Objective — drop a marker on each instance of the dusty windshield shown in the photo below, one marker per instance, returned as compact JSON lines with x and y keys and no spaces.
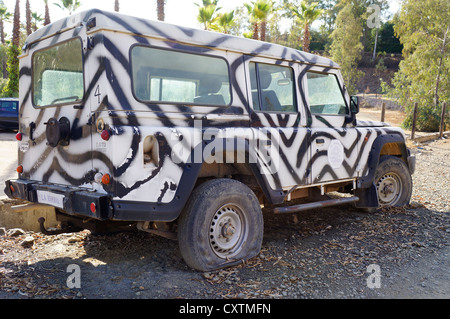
{"x":58,"y":74}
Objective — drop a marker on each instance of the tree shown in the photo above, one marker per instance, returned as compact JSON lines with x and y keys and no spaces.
{"x":116,"y":5}
{"x":160,"y":8}
{"x":47,"y":20}
{"x":12,"y":87}
{"x":69,"y":5}
{"x":4,"y":17}
{"x":307,"y":14}
{"x":259,"y":11}
{"x":387,"y":41}
{"x":28,"y":16}
{"x":424,"y":30}
{"x":16,"y":25}
{"x":346,"y":46}
{"x":36,"y":19}
{"x":225,"y":21}
{"x":207,"y":13}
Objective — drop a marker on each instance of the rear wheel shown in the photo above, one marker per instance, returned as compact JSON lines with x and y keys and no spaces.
{"x":221,"y":225}
{"x":393,"y":182}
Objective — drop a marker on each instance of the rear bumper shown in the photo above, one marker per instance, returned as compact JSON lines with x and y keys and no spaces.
{"x":78,"y":201}
{"x":71,"y":200}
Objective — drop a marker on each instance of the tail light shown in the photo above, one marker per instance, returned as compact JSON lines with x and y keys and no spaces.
{"x":106,"y":179}
{"x":105,"y":135}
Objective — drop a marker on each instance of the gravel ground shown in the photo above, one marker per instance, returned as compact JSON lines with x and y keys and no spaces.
{"x":317,"y":254}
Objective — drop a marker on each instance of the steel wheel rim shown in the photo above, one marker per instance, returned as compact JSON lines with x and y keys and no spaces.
{"x":389,"y":189}
{"x":228,"y":231}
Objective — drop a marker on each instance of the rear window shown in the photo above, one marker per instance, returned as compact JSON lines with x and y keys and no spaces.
{"x":182,"y":78}
{"x":58,"y":74}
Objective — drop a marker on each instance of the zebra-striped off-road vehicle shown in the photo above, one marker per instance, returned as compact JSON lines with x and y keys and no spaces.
{"x":187,"y":134}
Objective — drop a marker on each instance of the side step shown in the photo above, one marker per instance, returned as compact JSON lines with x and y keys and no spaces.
{"x":307,"y":206}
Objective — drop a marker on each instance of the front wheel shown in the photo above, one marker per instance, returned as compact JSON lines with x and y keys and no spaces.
{"x":393,"y":182}
{"x":221,"y":225}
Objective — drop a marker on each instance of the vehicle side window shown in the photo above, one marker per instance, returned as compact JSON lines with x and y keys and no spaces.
{"x":8,"y":106}
{"x":176,"y":77}
{"x":272,"y":88}
{"x":325,"y":96}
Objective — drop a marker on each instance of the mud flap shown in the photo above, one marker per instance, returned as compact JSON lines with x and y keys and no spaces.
{"x":368,"y":197}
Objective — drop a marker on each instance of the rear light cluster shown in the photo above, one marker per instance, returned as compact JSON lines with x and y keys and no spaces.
{"x":104,"y":179}
{"x":19,"y":169}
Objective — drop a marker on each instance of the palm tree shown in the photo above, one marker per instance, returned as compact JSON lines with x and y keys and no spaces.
{"x":69,"y":5}
{"x":28,"y":16}
{"x":12,"y":86}
{"x":225,"y":21}
{"x":307,"y":14}
{"x":116,"y":5}
{"x":16,"y":25}
{"x":206,"y":13}
{"x":160,"y":7}
{"x":36,"y":18}
{"x":259,"y":11}
{"x":4,"y":17}
{"x":47,"y":20}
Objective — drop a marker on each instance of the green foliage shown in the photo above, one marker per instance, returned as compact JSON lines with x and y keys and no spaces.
{"x":428,"y":118}
{"x":69,"y":5}
{"x":424,"y":30}
{"x":12,"y":87}
{"x":346,"y":47}
{"x":387,"y":41}
{"x":307,"y":14}
{"x":225,"y":21}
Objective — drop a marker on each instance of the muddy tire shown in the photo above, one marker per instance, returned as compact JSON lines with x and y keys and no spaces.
{"x":221,"y":225}
{"x":393,"y":182}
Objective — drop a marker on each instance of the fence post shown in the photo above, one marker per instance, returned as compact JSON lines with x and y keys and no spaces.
{"x":413,"y":130}
{"x":441,"y":127}
{"x":383,"y":111}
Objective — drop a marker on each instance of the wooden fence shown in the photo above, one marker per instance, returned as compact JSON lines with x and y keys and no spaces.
{"x":413,"y":130}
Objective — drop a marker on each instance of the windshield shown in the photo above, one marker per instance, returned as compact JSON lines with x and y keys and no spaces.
{"x":58,"y":74}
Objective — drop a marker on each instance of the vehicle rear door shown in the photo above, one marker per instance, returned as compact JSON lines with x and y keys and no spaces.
{"x":55,"y":113}
{"x":281,"y":148}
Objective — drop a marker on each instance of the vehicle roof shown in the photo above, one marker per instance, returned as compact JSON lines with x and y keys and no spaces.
{"x":148,"y":28}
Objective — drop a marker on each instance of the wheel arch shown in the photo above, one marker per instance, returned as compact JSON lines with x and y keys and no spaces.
{"x":385,"y":144}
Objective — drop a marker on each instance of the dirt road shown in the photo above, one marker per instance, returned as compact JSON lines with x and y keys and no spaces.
{"x":330,"y":253}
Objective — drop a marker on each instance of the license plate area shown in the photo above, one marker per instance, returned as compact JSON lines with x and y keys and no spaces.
{"x":49,"y":198}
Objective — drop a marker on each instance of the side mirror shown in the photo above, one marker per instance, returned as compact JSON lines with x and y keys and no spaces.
{"x":354,"y":104}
